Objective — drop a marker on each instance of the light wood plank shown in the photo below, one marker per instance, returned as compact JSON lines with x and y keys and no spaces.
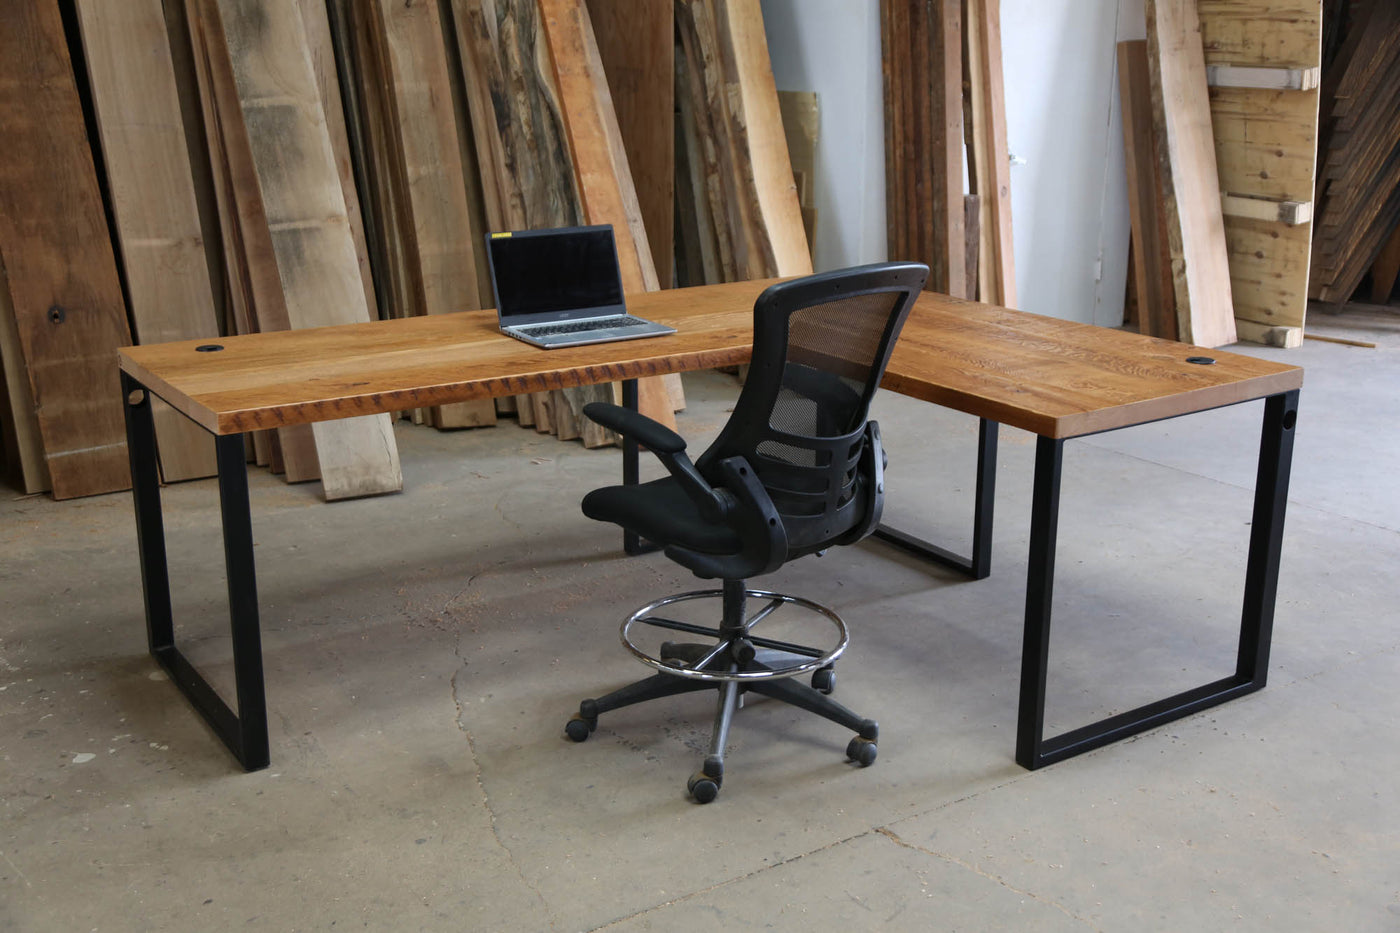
{"x":54,"y":245}
{"x":1269,"y":33}
{"x":1284,"y":212}
{"x":1152,"y":265}
{"x":19,"y":425}
{"x":255,"y":284}
{"x":1186,"y":151}
{"x":445,"y":237}
{"x":306,"y":215}
{"x":636,"y":43}
{"x":994,"y":178}
{"x":152,"y":198}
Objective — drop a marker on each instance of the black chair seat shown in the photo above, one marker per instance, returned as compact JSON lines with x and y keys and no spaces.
{"x":662,"y":513}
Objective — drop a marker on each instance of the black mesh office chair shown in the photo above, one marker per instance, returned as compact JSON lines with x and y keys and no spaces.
{"x":797,"y":468}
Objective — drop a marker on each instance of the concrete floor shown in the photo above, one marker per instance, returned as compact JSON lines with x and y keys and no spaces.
{"x":423,"y":651}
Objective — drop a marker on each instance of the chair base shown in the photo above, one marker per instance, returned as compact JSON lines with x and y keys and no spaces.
{"x":737,"y":662}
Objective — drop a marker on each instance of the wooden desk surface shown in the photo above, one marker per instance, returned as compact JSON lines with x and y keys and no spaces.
{"x":1051,"y":377}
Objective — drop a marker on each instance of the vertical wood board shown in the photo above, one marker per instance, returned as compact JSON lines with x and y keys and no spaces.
{"x":57,"y":254}
{"x":152,"y":197}
{"x":1186,"y":151}
{"x":306,"y":216}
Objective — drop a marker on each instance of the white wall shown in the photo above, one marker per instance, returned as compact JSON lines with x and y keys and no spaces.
{"x":1069,"y":198}
{"x":832,"y":47}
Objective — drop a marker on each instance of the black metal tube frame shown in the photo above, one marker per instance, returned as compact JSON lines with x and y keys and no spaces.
{"x":979,"y":565}
{"x":244,"y":732}
{"x":1033,"y":749}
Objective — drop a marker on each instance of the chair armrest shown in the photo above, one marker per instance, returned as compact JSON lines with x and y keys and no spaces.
{"x":669,"y":448}
{"x":654,"y":436}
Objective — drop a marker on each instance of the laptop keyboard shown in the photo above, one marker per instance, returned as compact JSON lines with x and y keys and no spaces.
{"x":576,"y":327}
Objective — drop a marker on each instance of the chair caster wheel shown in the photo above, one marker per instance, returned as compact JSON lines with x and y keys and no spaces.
{"x":862,"y":751}
{"x":824,"y":680}
{"x":579,"y":728}
{"x":702,"y":787}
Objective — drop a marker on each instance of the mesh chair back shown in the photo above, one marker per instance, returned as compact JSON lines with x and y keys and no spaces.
{"x":821,"y":344}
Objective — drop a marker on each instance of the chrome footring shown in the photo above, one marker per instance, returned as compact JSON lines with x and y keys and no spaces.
{"x":700,"y":672}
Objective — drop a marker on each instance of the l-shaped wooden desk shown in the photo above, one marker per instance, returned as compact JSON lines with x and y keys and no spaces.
{"x":1053,"y":378}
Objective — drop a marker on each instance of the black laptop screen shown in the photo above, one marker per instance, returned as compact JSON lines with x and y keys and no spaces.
{"x":554,"y":271}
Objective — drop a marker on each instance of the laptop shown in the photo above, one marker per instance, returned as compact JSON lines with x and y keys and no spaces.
{"x":562,"y":287}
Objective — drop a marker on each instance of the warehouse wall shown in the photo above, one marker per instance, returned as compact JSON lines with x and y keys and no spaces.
{"x":1068,"y":186}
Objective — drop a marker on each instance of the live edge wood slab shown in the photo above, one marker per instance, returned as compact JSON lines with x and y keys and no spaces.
{"x":1054,"y":378}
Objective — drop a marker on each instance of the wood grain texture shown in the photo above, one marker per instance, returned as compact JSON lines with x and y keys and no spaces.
{"x":1270,"y":33}
{"x":1266,"y":145}
{"x":603,"y":178}
{"x":983,"y":27}
{"x":57,"y":253}
{"x":1152,"y":267}
{"x":1053,"y":377}
{"x":23,"y":447}
{"x":255,"y":286}
{"x":442,"y":236}
{"x":733,"y":102}
{"x":1190,"y":183}
{"x":152,"y":198}
{"x":306,"y":216}
{"x":637,"y":47}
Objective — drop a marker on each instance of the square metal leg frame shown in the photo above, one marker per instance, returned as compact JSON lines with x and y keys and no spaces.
{"x":1033,"y":749}
{"x":244,"y":732}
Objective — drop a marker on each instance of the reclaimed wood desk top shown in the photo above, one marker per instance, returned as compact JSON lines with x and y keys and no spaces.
{"x":1051,"y":377}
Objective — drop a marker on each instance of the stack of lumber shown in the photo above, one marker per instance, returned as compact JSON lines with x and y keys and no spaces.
{"x":1358,"y":185}
{"x":943,"y":91}
{"x":1219,"y":123}
{"x":272,"y":164}
{"x":738,"y":214}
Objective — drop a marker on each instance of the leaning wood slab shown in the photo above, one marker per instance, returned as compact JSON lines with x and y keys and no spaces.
{"x":54,"y":245}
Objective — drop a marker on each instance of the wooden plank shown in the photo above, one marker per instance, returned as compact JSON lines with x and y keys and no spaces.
{"x":1269,"y":33}
{"x":1271,"y":78}
{"x":1285,"y":338}
{"x":1385,"y":269}
{"x":306,"y":215}
{"x":55,"y":248}
{"x":1268,"y":267}
{"x":442,"y":247}
{"x":601,"y":172}
{"x":1186,"y":151}
{"x":1266,"y":148}
{"x":948,"y":265}
{"x":1265,"y":142}
{"x":779,"y":211}
{"x":152,"y":197}
{"x":1152,"y":267}
{"x":19,"y":425}
{"x":636,"y":43}
{"x":255,"y":284}
{"x":983,"y":24}
{"x":750,"y":189}
{"x":801,"y":124}
{"x":527,"y":179}
{"x":315,"y":19}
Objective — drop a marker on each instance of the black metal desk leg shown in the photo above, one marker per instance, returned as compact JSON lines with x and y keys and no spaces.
{"x":150,"y":526}
{"x":1266,"y":537}
{"x":1040,"y":588}
{"x":1033,"y":750}
{"x":242,"y":602}
{"x":979,"y":565}
{"x":244,"y":732}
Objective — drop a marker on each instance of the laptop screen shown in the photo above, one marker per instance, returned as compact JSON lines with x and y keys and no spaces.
{"x":554,"y":271}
